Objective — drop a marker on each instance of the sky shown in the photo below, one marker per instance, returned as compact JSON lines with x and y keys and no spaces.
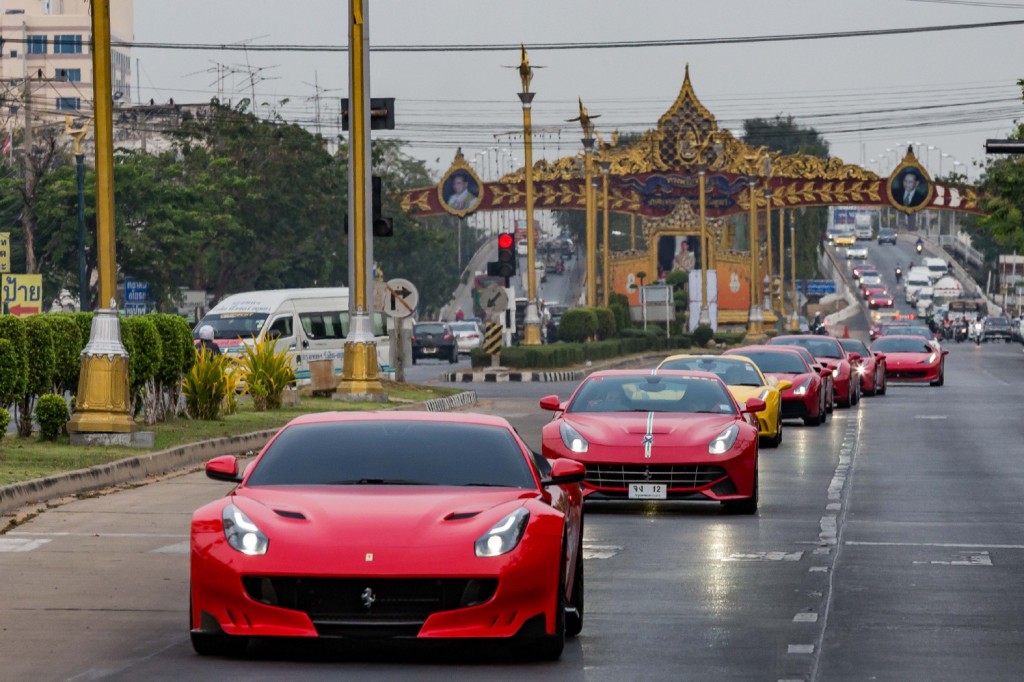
{"x":870,"y":96}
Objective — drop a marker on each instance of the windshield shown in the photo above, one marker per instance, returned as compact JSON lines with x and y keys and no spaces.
{"x":465,"y":327}
{"x":895,"y":344}
{"x":428,"y":329}
{"x":233,"y":325}
{"x":652,"y":393}
{"x":997,"y":322}
{"x":398,"y":452}
{"x":855,"y":346}
{"x":730,"y":370}
{"x":818,"y":347}
{"x":777,"y":363}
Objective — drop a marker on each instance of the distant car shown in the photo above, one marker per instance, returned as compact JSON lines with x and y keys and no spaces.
{"x":880,"y":299}
{"x":389,"y":526}
{"x":911,"y":358}
{"x":887,"y":235}
{"x":870,"y":277}
{"x":807,"y":395}
{"x":864,"y":232}
{"x":829,"y":353}
{"x":857,"y":252}
{"x":844,"y":236}
{"x":434,"y":340}
{"x":467,"y":336}
{"x":857,"y":268}
{"x":995,"y":328}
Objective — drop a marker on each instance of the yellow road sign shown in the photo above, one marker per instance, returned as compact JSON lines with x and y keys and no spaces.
{"x":21,"y":294}
{"x":5,"y":251}
{"x":492,"y":338}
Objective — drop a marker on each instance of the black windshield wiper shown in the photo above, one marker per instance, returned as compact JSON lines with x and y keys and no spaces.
{"x":376,"y":481}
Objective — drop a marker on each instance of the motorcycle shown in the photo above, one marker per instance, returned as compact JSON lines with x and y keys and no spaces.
{"x":976,"y":329}
{"x":961,"y":330}
{"x":920,"y":248}
{"x":899,"y":274}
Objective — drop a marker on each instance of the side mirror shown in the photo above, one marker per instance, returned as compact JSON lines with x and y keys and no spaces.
{"x":784,"y":384}
{"x":945,"y":352}
{"x":879,"y":355}
{"x":223,"y":468}
{"x":825,"y":372}
{"x":565,"y":471}
{"x":551,"y":403}
{"x":753,"y":405}
{"x":854,"y":357}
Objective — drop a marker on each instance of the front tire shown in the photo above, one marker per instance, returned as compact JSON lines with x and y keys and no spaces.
{"x":549,"y":647}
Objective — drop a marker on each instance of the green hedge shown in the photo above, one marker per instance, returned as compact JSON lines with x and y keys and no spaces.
{"x":561,"y":355}
{"x":67,"y":351}
{"x":605,"y":323}
{"x":577,"y":325}
{"x":53,"y":415}
{"x":40,"y":370}
{"x":13,"y":386}
{"x":144,"y":345}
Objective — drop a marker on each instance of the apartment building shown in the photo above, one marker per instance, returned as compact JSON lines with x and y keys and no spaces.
{"x":46,"y":43}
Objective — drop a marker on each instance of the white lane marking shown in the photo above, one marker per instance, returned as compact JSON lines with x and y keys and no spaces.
{"x":800,"y":649}
{"x":954,"y":545}
{"x":99,"y":535}
{"x":20,"y":545}
{"x":966,"y":559}
{"x":931,"y":416}
{"x":829,"y":530}
{"x":764,"y":556}
{"x":818,"y":569}
{"x":600,"y":551}
{"x":176,"y":548}
{"x":805,"y":618}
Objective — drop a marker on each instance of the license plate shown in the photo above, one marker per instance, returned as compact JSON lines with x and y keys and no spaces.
{"x":429,"y":350}
{"x":647,"y":491}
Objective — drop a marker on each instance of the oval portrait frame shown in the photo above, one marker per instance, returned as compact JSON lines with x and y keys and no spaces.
{"x":444,"y":188}
{"x":910,"y":163}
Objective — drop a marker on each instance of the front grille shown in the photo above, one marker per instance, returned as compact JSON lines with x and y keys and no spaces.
{"x":909,"y":373}
{"x":793,"y":408}
{"x":380,"y":607}
{"x":681,"y":476}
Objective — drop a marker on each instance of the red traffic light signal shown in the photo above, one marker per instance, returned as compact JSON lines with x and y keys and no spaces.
{"x":506,"y":255}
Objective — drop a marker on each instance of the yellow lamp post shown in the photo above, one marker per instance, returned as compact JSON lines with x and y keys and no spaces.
{"x":605,"y":262}
{"x":705,"y":315}
{"x":102,"y":403}
{"x":360,"y":374}
{"x":755,"y":319}
{"x":781,"y":279}
{"x":591,"y":213}
{"x":794,"y":321}
{"x":532,"y":319}
{"x":768,"y":235}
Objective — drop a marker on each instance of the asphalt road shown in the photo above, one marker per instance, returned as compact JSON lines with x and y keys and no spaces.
{"x":887,"y":547}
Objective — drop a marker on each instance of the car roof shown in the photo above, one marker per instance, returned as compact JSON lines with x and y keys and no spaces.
{"x":404,"y":416}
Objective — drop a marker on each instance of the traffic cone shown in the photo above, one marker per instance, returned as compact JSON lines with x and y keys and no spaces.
{"x":846,"y":331}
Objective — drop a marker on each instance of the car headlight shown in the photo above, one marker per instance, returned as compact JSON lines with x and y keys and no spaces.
{"x":804,"y":386}
{"x":931,"y":358}
{"x":763,"y":395}
{"x":835,"y":371}
{"x":861,"y":369}
{"x":242,"y":534}
{"x":572,"y":438}
{"x":504,"y":535}
{"x":724,"y":441}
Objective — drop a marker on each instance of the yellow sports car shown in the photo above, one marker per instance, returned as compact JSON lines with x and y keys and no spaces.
{"x":744,"y":380}
{"x":845,"y":237}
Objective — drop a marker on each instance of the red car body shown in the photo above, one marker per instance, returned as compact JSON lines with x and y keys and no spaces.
{"x":881,"y":299}
{"x":830,"y":353}
{"x":384,"y":557}
{"x":870,"y":368}
{"x":807,"y":398}
{"x":643,"y":446}
{"x":869,"y":290}
{"x":912,"y":358}
{"x":861,"y":267}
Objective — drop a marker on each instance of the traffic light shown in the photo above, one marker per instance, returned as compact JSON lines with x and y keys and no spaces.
{"x":382,"y":227}
{"x":506,"y":255}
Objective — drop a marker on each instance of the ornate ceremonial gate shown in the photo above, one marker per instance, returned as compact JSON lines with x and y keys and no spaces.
{"x":657,"y":178}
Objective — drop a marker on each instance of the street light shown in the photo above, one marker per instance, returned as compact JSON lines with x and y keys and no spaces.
{"x":586,"y":122}
{"x":605,"y":267}
{"x":532,"y":321}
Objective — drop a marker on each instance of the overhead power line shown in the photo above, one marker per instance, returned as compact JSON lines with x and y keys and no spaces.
{"x":603,"y":45}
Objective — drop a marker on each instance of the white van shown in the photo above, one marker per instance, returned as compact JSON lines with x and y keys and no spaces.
{"x":937,"y":267}
{"x":916,"y":279}
{"x":310,"y":323}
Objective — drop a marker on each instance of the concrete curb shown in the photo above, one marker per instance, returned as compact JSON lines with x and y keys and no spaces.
{"x":505,"y":377}
{"x":139,"y":468}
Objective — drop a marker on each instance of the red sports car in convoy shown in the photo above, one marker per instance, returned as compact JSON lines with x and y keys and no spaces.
{"x":912,"y":358}
{"x":869,"y":290}
{"x":390,"y":525}
{"x":828,"y":351}
{"x":870,"y":368}
{"x":658,"y":435}
{"x":880,"y":299}
{"x":807,"y":397}
{"x":858,"y":268}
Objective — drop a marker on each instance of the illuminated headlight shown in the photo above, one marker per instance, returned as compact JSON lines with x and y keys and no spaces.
{"x":804,"y":386}
{"x":724,"y":441}
{"x":931,"y":358}
{"x":861,"y":369}
{"x":572,"y":438}
{"x":242,"y":534}
{"x":504,"y":535}
{"x":835,"y":371}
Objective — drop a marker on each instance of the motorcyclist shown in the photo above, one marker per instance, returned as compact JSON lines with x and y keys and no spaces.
{"x":818,"y":325}
{"x":919,"y":245}
{"x":899,"y":273}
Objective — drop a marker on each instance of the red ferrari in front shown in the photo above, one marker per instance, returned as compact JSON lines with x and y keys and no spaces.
{"x":829,"y":352}
{"x":390,"y":525}
{"x":912,"y":358}
{"x":658,"y":435}
{"x":870,"y":368}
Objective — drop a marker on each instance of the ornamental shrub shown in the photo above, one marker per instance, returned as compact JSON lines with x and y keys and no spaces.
{"x":11,"y":376}
{"x":605,"y":323}
{"x":577,"y":325}
{"x":207,"y":385}
{"x":5,"y":419}
{"x":145,"y":353}
{"x":12,"y":329}
{"x":702,"y":334}
{"x":52,"y":414}
{"x":67,"y":351}
{"x":40,"y":370}
{"x":178,"y":355}
{"x":266,"y":373}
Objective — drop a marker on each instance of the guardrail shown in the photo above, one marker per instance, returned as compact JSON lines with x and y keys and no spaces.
{"x":961,"y":249}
